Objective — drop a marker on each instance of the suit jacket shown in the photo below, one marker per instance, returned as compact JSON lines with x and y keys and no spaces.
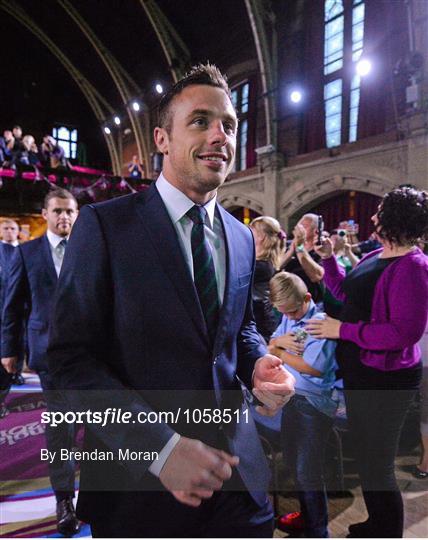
{"x":128,"y":332}
{"x":29,"y":294}
{"x":6,"y":252}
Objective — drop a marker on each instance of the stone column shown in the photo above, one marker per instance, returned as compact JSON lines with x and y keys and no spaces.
{"x":270,"y":163}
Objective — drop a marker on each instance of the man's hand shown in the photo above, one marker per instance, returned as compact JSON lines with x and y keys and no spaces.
{"x":193,"y":471}
{"x":325,"y":250}
{"x":327,"y":328}
{"x":289,"y":343}
{"x":273,"y":384}
{"x":299,"y":235}
{"x":9,"y":363}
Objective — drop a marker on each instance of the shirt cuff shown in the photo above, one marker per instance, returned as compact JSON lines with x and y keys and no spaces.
{"x":157,"y":465}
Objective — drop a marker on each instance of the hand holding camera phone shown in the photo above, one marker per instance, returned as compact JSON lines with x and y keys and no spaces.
{"x":320,"y":230}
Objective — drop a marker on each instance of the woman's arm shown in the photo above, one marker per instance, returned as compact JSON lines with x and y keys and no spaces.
{"x":351,"y":255}
{"x":407,"y":297}
{"x":285,"y":258}
{"x":334,"y":274}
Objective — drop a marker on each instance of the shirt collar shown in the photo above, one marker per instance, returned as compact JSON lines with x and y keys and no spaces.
{"x":178,"y":204}
{"x":54,"y":239}
{"x":309,"y":314}
{"x":15,"y":243}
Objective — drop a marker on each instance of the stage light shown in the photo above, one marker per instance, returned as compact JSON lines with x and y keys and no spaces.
{"x":107,"y":130}
{"x":296,"y":96}
{"x":363,"y":67}
{"x":159,"y":88}
{"x":136,"y":106}
{"x":117,"y":120}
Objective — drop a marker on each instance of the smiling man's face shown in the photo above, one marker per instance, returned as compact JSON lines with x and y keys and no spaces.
{"x":199,"y":149}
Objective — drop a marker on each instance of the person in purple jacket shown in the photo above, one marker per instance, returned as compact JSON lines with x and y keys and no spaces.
{"x":384,"y":316}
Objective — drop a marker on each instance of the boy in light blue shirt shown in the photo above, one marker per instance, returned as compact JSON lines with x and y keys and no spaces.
{"x":308,"y":417}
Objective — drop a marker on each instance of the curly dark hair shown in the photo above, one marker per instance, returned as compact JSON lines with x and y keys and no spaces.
{"x":403,"y":216}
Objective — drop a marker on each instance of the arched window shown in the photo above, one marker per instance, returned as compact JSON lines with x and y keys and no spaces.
{"x":67,"y":139}
{"x":343,"y":46}
{"x":240,"y":100}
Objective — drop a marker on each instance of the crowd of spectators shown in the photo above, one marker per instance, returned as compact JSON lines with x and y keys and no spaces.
{"x":331,"y":308}
{"x":351,"y":311}
{"x":17,"y":151}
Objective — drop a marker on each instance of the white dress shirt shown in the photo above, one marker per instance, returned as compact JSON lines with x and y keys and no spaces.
{"x":15,"y":243}
{"x":57,"y":250}
{"x":177,"y":205}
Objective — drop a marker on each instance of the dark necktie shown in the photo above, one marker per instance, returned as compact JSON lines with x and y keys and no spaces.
{"x":203,"y":270}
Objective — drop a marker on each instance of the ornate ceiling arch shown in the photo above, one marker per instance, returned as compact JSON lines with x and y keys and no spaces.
{"x":118,"y":75}
{"x":97,"y":102}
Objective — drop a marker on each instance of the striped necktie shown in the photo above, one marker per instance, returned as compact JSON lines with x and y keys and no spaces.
{"x":204,"y":271}
{"x":60,"y":250}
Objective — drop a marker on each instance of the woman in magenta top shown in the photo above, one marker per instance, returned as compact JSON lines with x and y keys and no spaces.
{"x":384,"y":316}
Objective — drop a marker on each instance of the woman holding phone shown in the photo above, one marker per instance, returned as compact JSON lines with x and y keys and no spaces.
{"x":384,"y":316}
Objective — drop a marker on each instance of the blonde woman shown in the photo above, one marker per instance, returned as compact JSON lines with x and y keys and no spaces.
{"x":270,"y":241}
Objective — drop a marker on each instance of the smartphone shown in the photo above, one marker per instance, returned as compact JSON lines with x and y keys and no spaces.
{"x":320,"y":230}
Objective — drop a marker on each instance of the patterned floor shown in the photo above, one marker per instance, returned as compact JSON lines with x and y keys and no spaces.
{"x":27,"y":500}
{"x":27,"y":504}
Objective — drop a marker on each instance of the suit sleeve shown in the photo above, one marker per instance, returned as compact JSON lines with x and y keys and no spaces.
{"x":250,"y":344}
{"x":81,"y":338}
{"x":16,"y":297}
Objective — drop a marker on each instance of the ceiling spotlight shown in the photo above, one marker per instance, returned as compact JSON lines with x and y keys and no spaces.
{"x":296,"y":96}
{"x":363,"y":67}
{"x":136,"y":106}
{"x":116,"y":120}
{"x":107,"y":130}
{"x":159,"y":88}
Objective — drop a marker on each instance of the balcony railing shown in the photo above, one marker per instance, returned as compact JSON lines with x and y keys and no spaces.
{"x":22,"y":189}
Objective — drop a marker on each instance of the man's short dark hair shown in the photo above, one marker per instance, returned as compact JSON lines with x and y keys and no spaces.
{"x":59,"y":193}
{"x":207,"y":74}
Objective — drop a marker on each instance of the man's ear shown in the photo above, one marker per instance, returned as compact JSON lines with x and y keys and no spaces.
{"x":161,"y":139}
{"x":308,"y":297}
{"x":44,"y":213}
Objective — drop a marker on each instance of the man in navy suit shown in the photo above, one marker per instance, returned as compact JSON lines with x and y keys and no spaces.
{"x":6,"y":251}
{"x":31,"y":282}
{"x":9,"y":231}
{"x":153,"y":314}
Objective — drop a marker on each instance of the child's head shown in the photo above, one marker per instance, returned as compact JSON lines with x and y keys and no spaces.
{"x":289,"y":295}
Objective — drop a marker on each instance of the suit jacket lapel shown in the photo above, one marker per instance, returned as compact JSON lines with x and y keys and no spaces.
{"x":48,"y":260}
{"x":159,"y":228}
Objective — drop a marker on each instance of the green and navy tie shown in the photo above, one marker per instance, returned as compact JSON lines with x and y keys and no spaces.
{"x":204,"y":271}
